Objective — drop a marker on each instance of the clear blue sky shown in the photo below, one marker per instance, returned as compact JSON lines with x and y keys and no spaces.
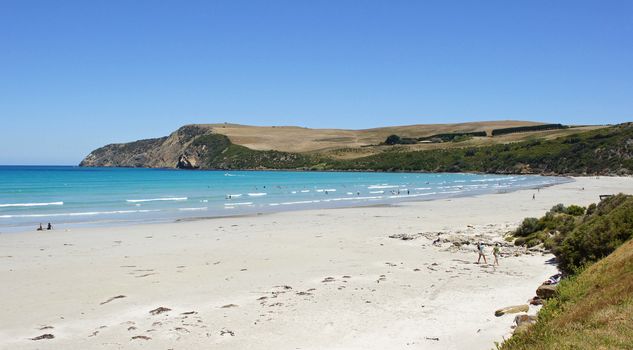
{"x":75,"y":75}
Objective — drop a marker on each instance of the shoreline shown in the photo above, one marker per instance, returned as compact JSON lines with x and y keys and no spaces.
{"x":310,"y":279}
{"x":266,"y":209}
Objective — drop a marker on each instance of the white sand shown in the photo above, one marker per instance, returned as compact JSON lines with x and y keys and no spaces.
{"x":59,"y":279}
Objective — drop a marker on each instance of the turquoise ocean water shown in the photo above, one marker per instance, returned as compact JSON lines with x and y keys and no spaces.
{"x":72,"y":196}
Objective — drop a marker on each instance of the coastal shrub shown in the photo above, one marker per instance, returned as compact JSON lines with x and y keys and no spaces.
{"x":528,"y":226}
{"x":577,"y":236}
{"x":397,"y":140}
{"x":455,"y":136}
{"x":392,"y":140}
{"x":558,"y":208}
{"x":598,"y":235}
{"x":591,"y":208}
{"x":575,"y":210}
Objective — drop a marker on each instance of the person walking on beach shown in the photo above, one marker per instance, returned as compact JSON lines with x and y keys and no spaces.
{"x":495,"y":253}
{"x":480,"y":249}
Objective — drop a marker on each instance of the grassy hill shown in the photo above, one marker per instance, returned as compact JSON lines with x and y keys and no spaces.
{"x":346,"y":143}
{"x":519,"y":148}
{"x":593,"y":310}
{"x":601,"y":151}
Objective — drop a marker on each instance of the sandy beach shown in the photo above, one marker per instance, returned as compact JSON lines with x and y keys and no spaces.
{"x":318,"y":279}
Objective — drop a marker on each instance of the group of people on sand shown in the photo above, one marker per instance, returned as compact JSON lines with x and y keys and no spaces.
{"x":48,"y":227}
{"x":482,"y":254}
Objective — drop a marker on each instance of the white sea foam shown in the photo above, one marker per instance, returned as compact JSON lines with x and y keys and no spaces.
{"x":298,"y":202}
{"x":235,"y":204}
{"x":193,"y":209}
{"x":156,"y":199}
{"x":425,"y":194}
{"x":257,"y":194}
{"x":422,"y":188}
{"x":326,"y":190}
{"x":382,"y":186}
{"x":493,"y":179}
{"x":29,"y":204}
{"x":88,"y":213}
{"x":376,"y":192}
{"x":305,"y":191}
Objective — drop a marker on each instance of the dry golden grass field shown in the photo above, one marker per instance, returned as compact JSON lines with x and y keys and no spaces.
{"x":341,"y":143}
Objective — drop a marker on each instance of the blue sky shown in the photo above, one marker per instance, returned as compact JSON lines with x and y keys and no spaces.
{"x":75,"y":75}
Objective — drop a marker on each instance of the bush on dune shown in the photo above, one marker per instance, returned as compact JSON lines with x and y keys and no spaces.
{"x":578,"y":236}
{"x":593,"y":308}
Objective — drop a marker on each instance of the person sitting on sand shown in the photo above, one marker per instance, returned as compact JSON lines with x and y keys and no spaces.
{"x":480,"y":249}
{"x":40,"y":228}
{"x":49,"y":227}
{"x":495,"y":253}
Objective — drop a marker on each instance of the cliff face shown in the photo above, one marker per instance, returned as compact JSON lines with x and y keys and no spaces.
{"x":191,"y":147}
{"x":177,"y":150}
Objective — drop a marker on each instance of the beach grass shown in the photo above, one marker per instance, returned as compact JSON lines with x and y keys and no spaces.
{"x":593,"y":310}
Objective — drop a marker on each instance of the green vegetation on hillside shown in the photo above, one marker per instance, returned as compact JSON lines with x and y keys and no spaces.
{"x":220,"y":153}
{"x":397,"y":140}
{"x":593,"y":307}
{"x":454,"y":136}
{"x":603,"y":151}
{"x":540,"y":127}
{"x":577,"y":236}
